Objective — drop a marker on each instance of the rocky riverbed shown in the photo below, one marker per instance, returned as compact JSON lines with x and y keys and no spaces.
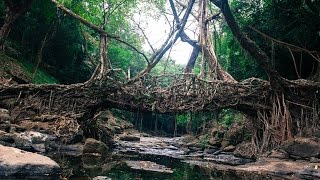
{"x":216,"y":163}
{"x":132,"y":155}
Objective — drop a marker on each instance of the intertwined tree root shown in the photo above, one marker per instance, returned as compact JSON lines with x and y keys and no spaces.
{"x":280,"y":115}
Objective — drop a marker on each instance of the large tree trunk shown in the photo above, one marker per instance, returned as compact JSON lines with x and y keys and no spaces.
{"x":216,"y":71}
{"x":104,"y":61}
{"x":260,"y":56}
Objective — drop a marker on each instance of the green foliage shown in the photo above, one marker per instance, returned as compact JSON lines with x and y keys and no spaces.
{"x":183,"y":119}
{"x":228,"y":116}
{"x":296,"y":22}
{"x":40,"y":77}
{"x":204,"y":140}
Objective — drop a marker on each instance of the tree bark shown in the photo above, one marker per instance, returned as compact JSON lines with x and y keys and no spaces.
{"x":192,"y":60}
{"x":216,"y":71}
{"x":246,"y":43}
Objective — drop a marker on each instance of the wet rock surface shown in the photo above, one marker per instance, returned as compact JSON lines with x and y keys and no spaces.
{"x":18,"y":162}
{"x":264,"y":169}
{"x":227,"y":159}
{"x":148,"y":166}
{"x":213,"y":160}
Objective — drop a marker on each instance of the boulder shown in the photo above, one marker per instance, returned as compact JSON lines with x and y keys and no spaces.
{"x":229,"y":148}
{"x":31,"y":140}
{"x":5,"y":120}
{"x":214,"y":141}
{"x":14,"y":161}
{"x":302,"y":148}
{"x":4,"y":115}
{"x":129,"y":138}
{"x":6,"y":137}
{"x":245,"y":149}
{"x":93,"y":146}
{"x":237,"y":133}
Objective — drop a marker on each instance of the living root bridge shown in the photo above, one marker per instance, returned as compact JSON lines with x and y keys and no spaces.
{"x":277,"y":115}
{"x":164,"y":94}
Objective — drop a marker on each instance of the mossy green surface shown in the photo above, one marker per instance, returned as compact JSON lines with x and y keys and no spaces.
{"x":9,"y":64}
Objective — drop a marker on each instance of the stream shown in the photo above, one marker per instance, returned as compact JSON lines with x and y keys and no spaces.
{"x":149,"y":158}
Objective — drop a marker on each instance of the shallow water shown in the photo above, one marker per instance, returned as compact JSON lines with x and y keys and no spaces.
{"x":114,"y":167}
{"x":153,"y":158}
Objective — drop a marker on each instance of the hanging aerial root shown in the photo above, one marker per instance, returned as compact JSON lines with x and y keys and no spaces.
{"x":273,"y":127}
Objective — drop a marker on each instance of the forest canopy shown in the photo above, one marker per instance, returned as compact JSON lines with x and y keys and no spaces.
{"x":48,"y":38}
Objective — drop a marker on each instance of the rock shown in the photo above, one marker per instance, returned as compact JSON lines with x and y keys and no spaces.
{"x":14,"y":161}
{"x":148,"y":166}
{"x":5,"y":120}
{"x":314,"y":160}
{"x":101,"y":178}
{"x":229,"y":148}
{"x":194,"y":144}
{"x":194,"y":149}
{"x":111,"y":124}
{"x":6,"y":137}
{"x":172,"y":147}
{"x":278,"y":154}
{"x":129,"y":138}
{"x":227,"y":159}
{"x":92,"y":146}
{"x":213,"y":141}
{"x":211,"y":150}
{"x":4,"y":116}
{"x":225,"y":143}
{"x":27,"y":140}
{"x":310,"y":173}
{"x":237,"y":133}
{"x":245,"y":149}
{"x":92,"y":161}
{"x":302,"y":148}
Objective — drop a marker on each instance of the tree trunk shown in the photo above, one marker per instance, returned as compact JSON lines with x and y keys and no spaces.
{"x":192,"y":59}
{"x":13,"y":12}
{"x":246,"y":43}
{"x":216,"y":71}
{"x":44,"y":43}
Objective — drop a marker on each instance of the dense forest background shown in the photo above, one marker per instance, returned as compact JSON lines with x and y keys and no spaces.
{"x":56,"y":48}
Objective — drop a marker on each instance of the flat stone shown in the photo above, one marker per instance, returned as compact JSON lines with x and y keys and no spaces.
{"x":129,"y":138}
{"x":315,"y":160}
{"x":148,"y":166}
{"x":263,"y":168}
{"x":278,"y":154}
{"x":227,"y":159}
{"x":14,"y":161}
{"x":101,"y":178}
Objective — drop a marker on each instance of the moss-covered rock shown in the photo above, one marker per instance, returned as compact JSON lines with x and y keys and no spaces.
{"x":93,"y":146}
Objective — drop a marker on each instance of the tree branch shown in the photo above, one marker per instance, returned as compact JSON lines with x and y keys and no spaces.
{"x":145,"y":36}
{"x":260,"y":56}
{"x":166,"y":46}
{"x":96,"y":28}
